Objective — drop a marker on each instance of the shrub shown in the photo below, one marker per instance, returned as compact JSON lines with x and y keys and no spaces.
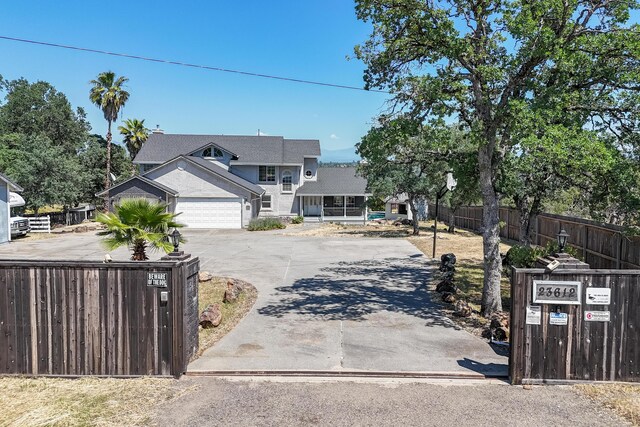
{"x":523,"y":256}
{"x":262,"y":224}
{"x":297,"y":220}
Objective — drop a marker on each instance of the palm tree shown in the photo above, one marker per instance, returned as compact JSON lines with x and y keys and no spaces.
{"x":109,"y":95}
{"x":138,"y":224}
{"x":135,"y":134}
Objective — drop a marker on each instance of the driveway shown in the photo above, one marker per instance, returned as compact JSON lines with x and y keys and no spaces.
{"x":324,"y":304}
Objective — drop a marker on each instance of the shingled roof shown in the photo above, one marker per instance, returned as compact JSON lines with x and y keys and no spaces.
{"x":160,"y":148}
{"x":338,"y":181}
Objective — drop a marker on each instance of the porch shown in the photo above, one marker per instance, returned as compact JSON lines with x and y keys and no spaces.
{"x":334,"y":208}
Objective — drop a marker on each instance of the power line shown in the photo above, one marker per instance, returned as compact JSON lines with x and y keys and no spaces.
{"x":186,"y":64}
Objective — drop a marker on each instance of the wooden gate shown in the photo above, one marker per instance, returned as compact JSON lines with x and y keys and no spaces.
{"x":90,"y":318}
{"x":600,"y":340}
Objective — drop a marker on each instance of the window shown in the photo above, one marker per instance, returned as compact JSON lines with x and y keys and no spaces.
{"x":267,"y":173}
{"x":212,"y":152}
{"x":338,"y":201}
{"x":266,"y":201}
{"x":351,"y":201}
{"x":308,"y":174}
{"x":394,"y":208}
{"x":286,"y":182}
{"x":402,"y":209}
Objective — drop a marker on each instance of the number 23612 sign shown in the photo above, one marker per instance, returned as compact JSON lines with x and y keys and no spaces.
{"x":556,"y":292}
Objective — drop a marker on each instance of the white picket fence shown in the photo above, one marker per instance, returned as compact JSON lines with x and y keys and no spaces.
{"x":41,"y":224}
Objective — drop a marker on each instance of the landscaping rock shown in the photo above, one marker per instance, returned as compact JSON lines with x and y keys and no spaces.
{"x":81,"y":229}
{"x":448,"y":297}
{"x":403,"y":221}
{"x":447,"y":262}
{"x":211,"y":316}
{"x":501,"y":334}
{"x":446,"y":286}
{"x":462,"y":309}
{"x":234,"y":289}
{"x":204,"y":276}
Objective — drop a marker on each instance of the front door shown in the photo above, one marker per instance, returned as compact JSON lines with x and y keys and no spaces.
{"x":312,"y":205}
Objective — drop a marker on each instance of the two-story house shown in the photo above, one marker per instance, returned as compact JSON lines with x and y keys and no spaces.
{"x":223,"y":181}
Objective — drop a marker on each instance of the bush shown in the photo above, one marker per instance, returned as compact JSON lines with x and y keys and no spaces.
{"x":262,"y":224}
{"x":523,"y":256}
{"x":297,"y":220}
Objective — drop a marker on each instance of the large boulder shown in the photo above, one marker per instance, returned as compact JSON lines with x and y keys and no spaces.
{"x":446,"y":286}
{"x":448,"y":297}
{"x":234,"y":289}
{"x":211,"y":316}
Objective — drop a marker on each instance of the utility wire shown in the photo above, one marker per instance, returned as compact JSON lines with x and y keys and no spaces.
{"x":186,"y":64}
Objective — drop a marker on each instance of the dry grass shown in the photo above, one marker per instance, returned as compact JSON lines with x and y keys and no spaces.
{"x":624,"y":399}
{"x":212,"y":292}
{"x":83,"y":402}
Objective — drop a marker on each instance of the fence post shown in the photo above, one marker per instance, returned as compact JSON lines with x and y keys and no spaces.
{"x":619,"y":251}
{"x":584,"y":243}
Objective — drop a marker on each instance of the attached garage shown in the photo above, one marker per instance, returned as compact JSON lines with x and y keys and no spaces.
{"x":208,"y":212}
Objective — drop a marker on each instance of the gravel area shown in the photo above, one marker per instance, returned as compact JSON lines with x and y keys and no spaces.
{"x":262,"y":402}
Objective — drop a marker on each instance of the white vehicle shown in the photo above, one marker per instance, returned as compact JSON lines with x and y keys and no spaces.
{"x":19,"y":225}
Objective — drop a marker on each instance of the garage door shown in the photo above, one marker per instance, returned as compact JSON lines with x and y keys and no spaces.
{"x":209,"y":213}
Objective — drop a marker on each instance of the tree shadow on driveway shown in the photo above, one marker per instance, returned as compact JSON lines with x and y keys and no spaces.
{"x":354,"y":290}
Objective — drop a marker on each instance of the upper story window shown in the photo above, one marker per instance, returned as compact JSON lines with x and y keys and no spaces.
{"x":267,"y":173}
{"x":308,"y":174}
{"x":287,"y":186}
{"x":212,"y":152}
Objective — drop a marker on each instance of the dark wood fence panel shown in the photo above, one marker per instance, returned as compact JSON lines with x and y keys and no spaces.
{"x":600,"y":245}
{"x":580,"y":350}
{"x":90,"y":318}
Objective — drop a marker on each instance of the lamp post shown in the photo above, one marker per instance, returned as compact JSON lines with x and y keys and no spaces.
{"x":177,"y":255}
{"x":449,"y":186}
{"x":562,"y":237}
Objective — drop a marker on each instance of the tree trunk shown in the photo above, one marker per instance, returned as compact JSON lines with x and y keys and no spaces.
{"x":528,"y":212}
{"x":108,"y":175}
{"x":139,"y":253}
{"x":452,"y":221}
{"x":491,"y":299}
{"x":414,"y":213}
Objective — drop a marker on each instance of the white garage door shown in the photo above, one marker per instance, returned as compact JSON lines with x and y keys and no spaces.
{"x":209,"y":213}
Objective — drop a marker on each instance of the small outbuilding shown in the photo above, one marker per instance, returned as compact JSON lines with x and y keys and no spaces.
{"x":397,"y":207}
{"x":6,"y":186}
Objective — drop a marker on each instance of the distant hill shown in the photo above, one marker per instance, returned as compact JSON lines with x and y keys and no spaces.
{"x":344,"y":155}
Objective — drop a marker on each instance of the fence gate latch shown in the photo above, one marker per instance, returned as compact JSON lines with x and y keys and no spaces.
{"x":164,"y":296}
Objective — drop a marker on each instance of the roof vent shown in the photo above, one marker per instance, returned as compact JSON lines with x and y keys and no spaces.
{"x":157,"y":130}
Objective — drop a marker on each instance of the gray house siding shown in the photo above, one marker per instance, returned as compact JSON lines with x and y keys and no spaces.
{"x":5,"y":231}
{"x":136,"y":189}
{"x":310,"y":165}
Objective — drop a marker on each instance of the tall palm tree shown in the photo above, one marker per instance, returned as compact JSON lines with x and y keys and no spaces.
{"x":138,"y":224}
{"x":135,"y":134}
{"x":109,"y":95}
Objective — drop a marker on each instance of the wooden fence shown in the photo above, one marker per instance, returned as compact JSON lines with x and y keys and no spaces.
{"x":588,"y":347}
{"x":89,"y":318}
{"x":599,"y":245}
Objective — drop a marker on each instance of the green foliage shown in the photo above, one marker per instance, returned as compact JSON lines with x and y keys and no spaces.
{"x":297,"y":220}
{"x":138,"y":224}
{"x":267,"y":223}
{"x":93,"y":158}
{"x":135,"y":134}
{"x":521,"y":256}
{"x":46,"y":172}
{"x":375,"y":203}
{"x":39,"y":109}
{"x":108,"y":94}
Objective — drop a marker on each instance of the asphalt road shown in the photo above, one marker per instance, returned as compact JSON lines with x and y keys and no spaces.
{"x":265,"y":403}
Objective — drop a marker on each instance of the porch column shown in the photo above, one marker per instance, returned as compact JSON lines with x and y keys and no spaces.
{"x":301,"y":206}
{"x":322,"y":208}
{"x":344,"y":205}
{"x":366,"y":210}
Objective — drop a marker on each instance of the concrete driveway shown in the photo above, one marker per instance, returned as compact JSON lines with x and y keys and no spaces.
{"x":324,"y":304}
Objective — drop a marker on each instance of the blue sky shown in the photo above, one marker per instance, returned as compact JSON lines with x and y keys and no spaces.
{"x":302,"y":39}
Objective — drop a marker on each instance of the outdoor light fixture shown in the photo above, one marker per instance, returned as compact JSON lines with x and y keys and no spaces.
{"x":562,"y":240}
{"x":175,"y":239}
